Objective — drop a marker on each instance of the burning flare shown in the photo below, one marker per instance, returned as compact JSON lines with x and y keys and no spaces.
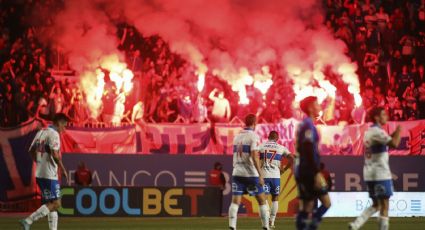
{"x":93,"y":82}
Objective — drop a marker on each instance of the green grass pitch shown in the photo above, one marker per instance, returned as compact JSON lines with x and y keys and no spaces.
{"x":118,"y":223}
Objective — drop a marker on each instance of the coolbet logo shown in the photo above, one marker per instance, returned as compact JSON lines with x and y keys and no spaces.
{"x":137,"y":201}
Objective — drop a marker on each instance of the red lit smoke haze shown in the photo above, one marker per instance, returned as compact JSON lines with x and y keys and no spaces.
{"x":233,"y":39}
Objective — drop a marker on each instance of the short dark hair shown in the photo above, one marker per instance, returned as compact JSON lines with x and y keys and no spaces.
{"x":250,"y":119}
{"x":217,"y":164}
{"x":307,"y":102}
{"x":375,"y":111}
{"x":60,"y":117}
{"x":273,"y":135}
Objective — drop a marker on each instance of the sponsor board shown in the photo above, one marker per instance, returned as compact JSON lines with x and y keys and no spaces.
{"x":184,"y":171}
{"x":352,"y":204}
{"x":140,"y":201}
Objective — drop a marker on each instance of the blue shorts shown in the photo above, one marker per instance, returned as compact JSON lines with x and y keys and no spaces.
{"x":246,"y":185}
{"x":272,"y":186}
{"x":50,"y":189}
{"x":380,"y":189}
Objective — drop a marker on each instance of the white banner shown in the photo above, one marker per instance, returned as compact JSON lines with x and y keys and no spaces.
{"x":352,"y":204}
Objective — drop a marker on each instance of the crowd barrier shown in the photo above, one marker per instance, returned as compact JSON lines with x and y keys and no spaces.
{"x":192,"y":139}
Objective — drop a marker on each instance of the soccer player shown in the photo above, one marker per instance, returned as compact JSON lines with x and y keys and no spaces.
{"x":376,"y":169}
{"x":271,"y":154}
{"x":247,"y":176}
{"x":311,"y":184}
{"x":45,"y":152}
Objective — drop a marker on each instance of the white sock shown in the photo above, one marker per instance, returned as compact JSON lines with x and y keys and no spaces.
{"x":265,"y":215}
{"x":384,"y":223}
{"x":53,"y":220}
{"x":40,"y":213}
{"x":366,"y":214}
{"x":233,"y":215}
{"x":273,"y":212}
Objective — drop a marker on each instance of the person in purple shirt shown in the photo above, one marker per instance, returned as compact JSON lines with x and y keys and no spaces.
{"x":311,"y":184}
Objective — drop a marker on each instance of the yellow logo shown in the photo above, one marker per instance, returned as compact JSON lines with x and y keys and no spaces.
{"x":288,"y":195}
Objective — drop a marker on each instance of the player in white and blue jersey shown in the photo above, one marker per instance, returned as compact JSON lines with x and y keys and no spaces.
{"x":311,"y":184}
{"x":45,"y":150}
{"x":271,"y":155}
{"x":247,"y":176}
{"x":376,"y":169}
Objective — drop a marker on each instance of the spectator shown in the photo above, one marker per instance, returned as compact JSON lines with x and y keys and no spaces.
{"x":367,"y":7}
{"x":216,"y":176}
{"x":407,"y":43}
{"x":200,"y":111}
{"x":420,"y":75}
{"x":382,"y":19}
{"x":344,"y":33}
{"x":137,"y":112}
{"x":78,"y":109}
{"x":43,"y":108}
{"x":358,"y":19}
{"x":57,"y":99}
{"x":221,"y":108}
{"x":405,"y":79}
{"x":351,"y":6}
{"x":119,"y":109}
{"x":389,"y":36}
{"x":370,"y":19}
{"x":185,"y":108}
{"x":217,"y":179}
{"x":421,"y":103}
{"x":421,"y":17}
{"x":397,"y":18}
{"x":83,"y":176}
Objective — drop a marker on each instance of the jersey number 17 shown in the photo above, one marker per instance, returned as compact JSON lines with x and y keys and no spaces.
{"x":273,"y":155}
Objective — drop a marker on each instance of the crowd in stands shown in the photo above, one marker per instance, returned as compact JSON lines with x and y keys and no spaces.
{"x":386,"y":38}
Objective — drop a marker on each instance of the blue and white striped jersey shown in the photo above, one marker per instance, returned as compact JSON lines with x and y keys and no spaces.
{"x":376,"y":155}
{"x":272,"y":153}
{"x":243,"y":144}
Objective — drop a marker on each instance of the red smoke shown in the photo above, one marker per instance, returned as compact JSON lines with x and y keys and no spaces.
{"x":235,"y":40}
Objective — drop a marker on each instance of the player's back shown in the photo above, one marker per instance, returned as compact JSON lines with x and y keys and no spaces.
{"x":243,"y":144}
{"x":271,"y":153}
{"x":307,"y":145}
{"x":376,"y":155}
{"x":45,"y":141}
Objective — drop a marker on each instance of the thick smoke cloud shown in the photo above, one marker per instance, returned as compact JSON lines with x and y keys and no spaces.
{"x":231,"y":38}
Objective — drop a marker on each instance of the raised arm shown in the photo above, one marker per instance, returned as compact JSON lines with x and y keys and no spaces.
{"x":212,"y":96}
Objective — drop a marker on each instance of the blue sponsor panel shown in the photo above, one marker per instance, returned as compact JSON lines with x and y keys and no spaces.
{"x":184,"y":170}
{"x":347,"y":172}
{"x":192,"y":171}
{"x":151,"y":170}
